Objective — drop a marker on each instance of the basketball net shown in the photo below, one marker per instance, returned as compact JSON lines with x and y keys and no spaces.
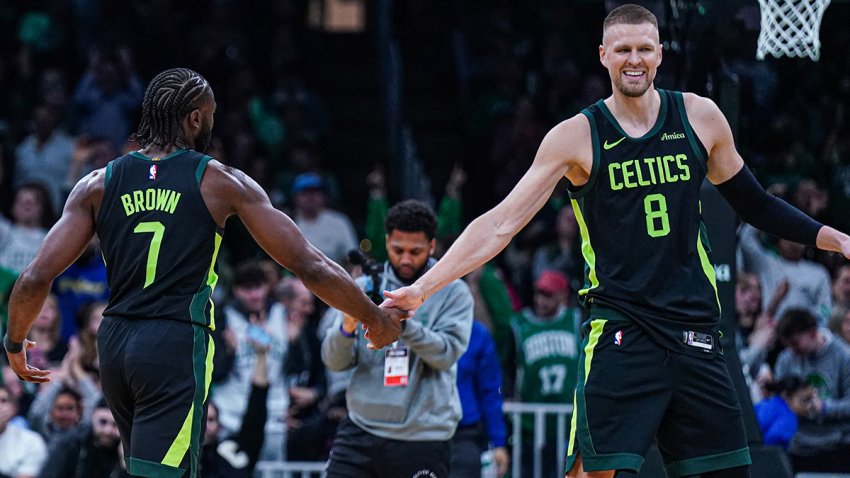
{"x":790,"y":28}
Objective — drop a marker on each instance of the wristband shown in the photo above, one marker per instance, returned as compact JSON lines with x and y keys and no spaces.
{"x":350,"y":335}
{"x":12,"y":346}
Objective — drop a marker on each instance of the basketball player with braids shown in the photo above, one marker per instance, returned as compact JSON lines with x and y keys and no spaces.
{"x":650,"y":364}
{"x":159,"y":213}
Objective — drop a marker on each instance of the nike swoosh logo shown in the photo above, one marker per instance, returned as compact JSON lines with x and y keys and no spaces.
{"x":608,"y":146}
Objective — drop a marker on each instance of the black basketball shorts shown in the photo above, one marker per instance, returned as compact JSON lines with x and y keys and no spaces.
{"x":155,"y":375}
{"x":631,"y":390}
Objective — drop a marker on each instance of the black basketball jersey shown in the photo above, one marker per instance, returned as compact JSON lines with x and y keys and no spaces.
{"x":643,"y":240}
{"x":158,"y":238}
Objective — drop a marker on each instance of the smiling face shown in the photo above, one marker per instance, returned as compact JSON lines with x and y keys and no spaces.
{"x":632,"y":54}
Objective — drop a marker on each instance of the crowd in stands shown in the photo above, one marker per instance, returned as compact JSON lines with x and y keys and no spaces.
{"x":72,"y":76}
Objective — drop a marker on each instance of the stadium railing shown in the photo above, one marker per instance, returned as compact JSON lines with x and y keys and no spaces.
{"x":290,"y":469}
{"x":513,"y":411}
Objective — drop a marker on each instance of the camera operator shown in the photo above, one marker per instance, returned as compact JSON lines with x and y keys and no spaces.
{"x":402,"y":401}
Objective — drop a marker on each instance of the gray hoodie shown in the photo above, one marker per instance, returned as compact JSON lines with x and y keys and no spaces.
{"x":831,"y":368}
{"x":428,"y":408}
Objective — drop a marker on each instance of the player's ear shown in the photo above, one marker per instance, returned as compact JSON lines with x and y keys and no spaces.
{"x":195,"y":118}
{"x":660,"y":52}
{"x":602,"y":49}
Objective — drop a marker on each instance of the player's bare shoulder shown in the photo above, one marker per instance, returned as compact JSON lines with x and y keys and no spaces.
{"x":707,"y":120}
{"x":572,"y":131}
{"x":570,"y":141}
{"x":226,"y":189}
{"x":88,"y":192}
{"x":699,"y":107}
{"x":712,"y":128}
{"x":220,"y":178}
{"x":93,"y":182}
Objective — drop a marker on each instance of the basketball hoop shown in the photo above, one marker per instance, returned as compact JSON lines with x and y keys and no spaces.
{"x":790,"y":28}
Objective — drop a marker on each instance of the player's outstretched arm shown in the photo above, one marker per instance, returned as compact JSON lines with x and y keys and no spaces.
{"x":63,"y":245}
{"x":727,"y":171}
{"x":230,"y":191}
{"x":830,"y":239}
{"x":491,"y":232}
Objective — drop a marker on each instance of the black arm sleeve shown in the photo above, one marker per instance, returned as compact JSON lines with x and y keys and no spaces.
{"x":767,"y":212}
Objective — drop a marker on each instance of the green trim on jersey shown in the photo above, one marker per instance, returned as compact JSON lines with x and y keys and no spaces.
{"x":202,"y":166}
{"x":197,"y":309}
{"x":108,"y":174}
{"x":662,"y":116}
{"x":139,"y":155}
{"x":689,"y":131}
{"x":594,"y":168}
{"x":586,"y":250}
{"x":708,"y":268}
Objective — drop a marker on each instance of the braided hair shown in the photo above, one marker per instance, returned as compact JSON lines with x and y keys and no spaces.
{"x":170,"y":96}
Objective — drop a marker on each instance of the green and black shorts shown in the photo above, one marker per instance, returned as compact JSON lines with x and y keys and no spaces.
{"x":155,"y":375}
{"x":631,"y":390}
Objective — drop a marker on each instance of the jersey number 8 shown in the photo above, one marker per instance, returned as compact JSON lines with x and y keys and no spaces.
{"x":657,"y":221}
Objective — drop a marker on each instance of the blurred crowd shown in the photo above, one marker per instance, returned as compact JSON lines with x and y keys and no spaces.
{"x":73,"y":76}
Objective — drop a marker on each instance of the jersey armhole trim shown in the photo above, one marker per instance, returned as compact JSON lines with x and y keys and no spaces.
{"x":199,"y":175}
{"x":696,"y":144}
{"x":202,"y":166}
{"x":108,"y":175}
{"x":577,"y":192}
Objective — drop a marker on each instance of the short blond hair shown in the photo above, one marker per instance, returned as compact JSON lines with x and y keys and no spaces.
{"x":629,"y":14}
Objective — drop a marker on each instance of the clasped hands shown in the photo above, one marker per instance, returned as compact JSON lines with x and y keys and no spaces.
{"x":398,"y":306}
